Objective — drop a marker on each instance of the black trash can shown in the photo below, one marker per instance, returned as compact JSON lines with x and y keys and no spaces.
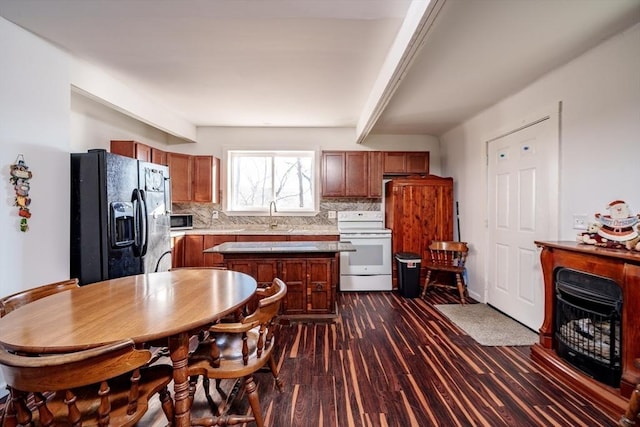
{"x":408,"y":274}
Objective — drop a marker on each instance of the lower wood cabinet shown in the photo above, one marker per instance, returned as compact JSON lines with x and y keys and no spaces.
{"x":188,"y":249}
{"x":310,"y":285}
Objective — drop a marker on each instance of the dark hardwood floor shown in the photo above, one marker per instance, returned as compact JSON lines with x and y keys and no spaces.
{"x":391,"y":361}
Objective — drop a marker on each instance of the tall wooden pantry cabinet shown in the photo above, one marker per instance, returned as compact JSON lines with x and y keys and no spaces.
{"x":418,"y":211}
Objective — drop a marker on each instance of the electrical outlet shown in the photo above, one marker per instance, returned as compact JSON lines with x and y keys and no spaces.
{"x":331,"y":214}
{"x":214,"y":215}
{"x":580,"y":222}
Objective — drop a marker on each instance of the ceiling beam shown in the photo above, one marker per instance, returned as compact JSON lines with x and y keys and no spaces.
{"x":411,"y":36}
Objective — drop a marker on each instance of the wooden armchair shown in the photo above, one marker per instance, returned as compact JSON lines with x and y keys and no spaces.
{"x":447,"y":257}
{"x":100,"y":386}
{"x":236,"y":350}
{"x":17,"y":300}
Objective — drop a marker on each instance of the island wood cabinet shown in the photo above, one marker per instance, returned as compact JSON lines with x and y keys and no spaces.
{"x":351,"y":174}
{"x":405,"y":162}
{"x":418,"y":211}
{"x":310,"y":279}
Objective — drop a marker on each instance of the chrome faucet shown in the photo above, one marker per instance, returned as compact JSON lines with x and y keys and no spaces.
{"x":272,"y":208}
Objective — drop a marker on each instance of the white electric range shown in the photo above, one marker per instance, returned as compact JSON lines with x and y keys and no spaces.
{"x":369,"y":267}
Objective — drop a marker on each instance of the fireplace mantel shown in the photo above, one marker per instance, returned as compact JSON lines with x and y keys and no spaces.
{"x":623,"y":267}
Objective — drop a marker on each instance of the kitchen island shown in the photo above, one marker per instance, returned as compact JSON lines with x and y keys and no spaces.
{"x":309,"y":268}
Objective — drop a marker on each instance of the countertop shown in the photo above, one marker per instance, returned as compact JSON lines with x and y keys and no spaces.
{"x":283,"y":247}
{"x":253,"y":229}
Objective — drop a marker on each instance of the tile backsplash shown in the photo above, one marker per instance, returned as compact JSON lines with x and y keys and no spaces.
{"x":203,"y":213}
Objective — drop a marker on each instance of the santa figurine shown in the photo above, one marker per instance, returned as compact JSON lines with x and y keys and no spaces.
{"x":618,"y":225}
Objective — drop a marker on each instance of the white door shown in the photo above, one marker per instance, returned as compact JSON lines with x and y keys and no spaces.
{"x":522,"y":207}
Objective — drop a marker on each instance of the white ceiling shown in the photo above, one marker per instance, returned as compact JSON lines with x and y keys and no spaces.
{"x":321,"y":63}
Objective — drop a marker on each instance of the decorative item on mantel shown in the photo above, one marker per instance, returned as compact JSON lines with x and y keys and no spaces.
{"x":616,"y":230}
{"x":20,"y":176}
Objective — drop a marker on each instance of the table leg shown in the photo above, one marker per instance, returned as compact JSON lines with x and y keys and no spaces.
{"x":179,"y":352}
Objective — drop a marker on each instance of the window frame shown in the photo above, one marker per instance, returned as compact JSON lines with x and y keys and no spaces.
{"x":264,"y":211}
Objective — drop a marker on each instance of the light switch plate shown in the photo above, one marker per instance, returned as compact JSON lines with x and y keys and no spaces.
{"x":214,"y":215}
{"x":331,"y":214}
{"x":580,"y":222}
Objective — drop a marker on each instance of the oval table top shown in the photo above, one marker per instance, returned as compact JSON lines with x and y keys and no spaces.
{"x":143,"y":308}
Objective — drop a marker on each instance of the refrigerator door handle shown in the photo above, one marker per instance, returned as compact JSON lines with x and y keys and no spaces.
{"x":145,"y":225}
{"x":167,"y":195}
{"x":140,"y":219}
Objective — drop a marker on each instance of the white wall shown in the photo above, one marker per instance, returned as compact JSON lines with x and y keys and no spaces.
{"x":34,"y":121}
{"x":214,"y":140}
{"x":599,"y":146}
{"x":94,"y":125}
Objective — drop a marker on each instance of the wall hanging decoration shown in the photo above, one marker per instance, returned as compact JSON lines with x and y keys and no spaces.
{"x":20,"y":176}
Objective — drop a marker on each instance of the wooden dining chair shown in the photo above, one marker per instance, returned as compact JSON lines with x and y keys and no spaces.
{"x":17,"y":300}
{"x":107,"y":385}
{"x":237,"y":350}
{"x":446,"y":258}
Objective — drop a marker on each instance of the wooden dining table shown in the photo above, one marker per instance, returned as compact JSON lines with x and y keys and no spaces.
{"x":156,"y":307}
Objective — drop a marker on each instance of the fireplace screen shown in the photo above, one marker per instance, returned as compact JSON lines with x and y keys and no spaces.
{"x":587,"y":324}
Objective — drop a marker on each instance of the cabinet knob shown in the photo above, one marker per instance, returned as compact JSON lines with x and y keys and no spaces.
{"x":318,"y":286}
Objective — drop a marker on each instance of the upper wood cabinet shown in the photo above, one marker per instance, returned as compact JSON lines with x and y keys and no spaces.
{"x":351,"y":174}
{"x":191,"y":177}
{"x":181,"y":172}
{"x":158,"y":157}
{"x":132,"y":149}
{"x":202,"y":179}
{"x":405,"y":162}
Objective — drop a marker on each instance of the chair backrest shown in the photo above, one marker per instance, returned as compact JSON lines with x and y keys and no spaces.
{"x":269,"y":302}
{"x":17,"y":300}
{"x":448,"y":253}
{"x":70,"y":370}
{"x":102,"y":384}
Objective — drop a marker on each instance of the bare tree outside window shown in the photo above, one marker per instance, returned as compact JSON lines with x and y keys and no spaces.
{"x":257,"y":178}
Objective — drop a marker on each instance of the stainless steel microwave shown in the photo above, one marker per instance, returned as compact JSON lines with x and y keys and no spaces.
{"x":181,"y":222}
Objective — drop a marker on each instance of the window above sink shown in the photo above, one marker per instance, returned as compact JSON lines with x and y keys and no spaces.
{"x":256,"y":178}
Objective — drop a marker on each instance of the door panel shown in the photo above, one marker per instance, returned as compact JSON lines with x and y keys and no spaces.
{"x":521,"y":177}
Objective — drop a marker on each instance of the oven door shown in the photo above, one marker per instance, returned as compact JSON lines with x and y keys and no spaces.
{"x":372,"y":255}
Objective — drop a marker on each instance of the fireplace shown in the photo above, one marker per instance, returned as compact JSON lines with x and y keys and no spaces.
{"x":590,"y":335}
{"x":587,"y":324}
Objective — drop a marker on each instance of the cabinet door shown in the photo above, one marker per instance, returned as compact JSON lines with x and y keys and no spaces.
{"x":294,"y":274}
{"x":356,"y":174}
{"x":202,"y":178}
{"x":263,"y":270}
{"x":418,"y":162}
{"x":193,"y":247}
{"x":375,"y":174}
{"x":215,"y":187}
{"x":177,"y":251}
{"x":158,"y":157}
{"x":333,"y":173}
{"x":394,"y":162}
{"x":131,"y":149}
{"x":319,"y":295}
{"x":210,"y":240}
{"x":180,"y":170}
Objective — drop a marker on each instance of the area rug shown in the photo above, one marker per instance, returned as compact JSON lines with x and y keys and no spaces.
{"x":488,"y":326}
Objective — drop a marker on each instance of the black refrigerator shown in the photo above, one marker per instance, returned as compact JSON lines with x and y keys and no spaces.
{"x":120,"y":210}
